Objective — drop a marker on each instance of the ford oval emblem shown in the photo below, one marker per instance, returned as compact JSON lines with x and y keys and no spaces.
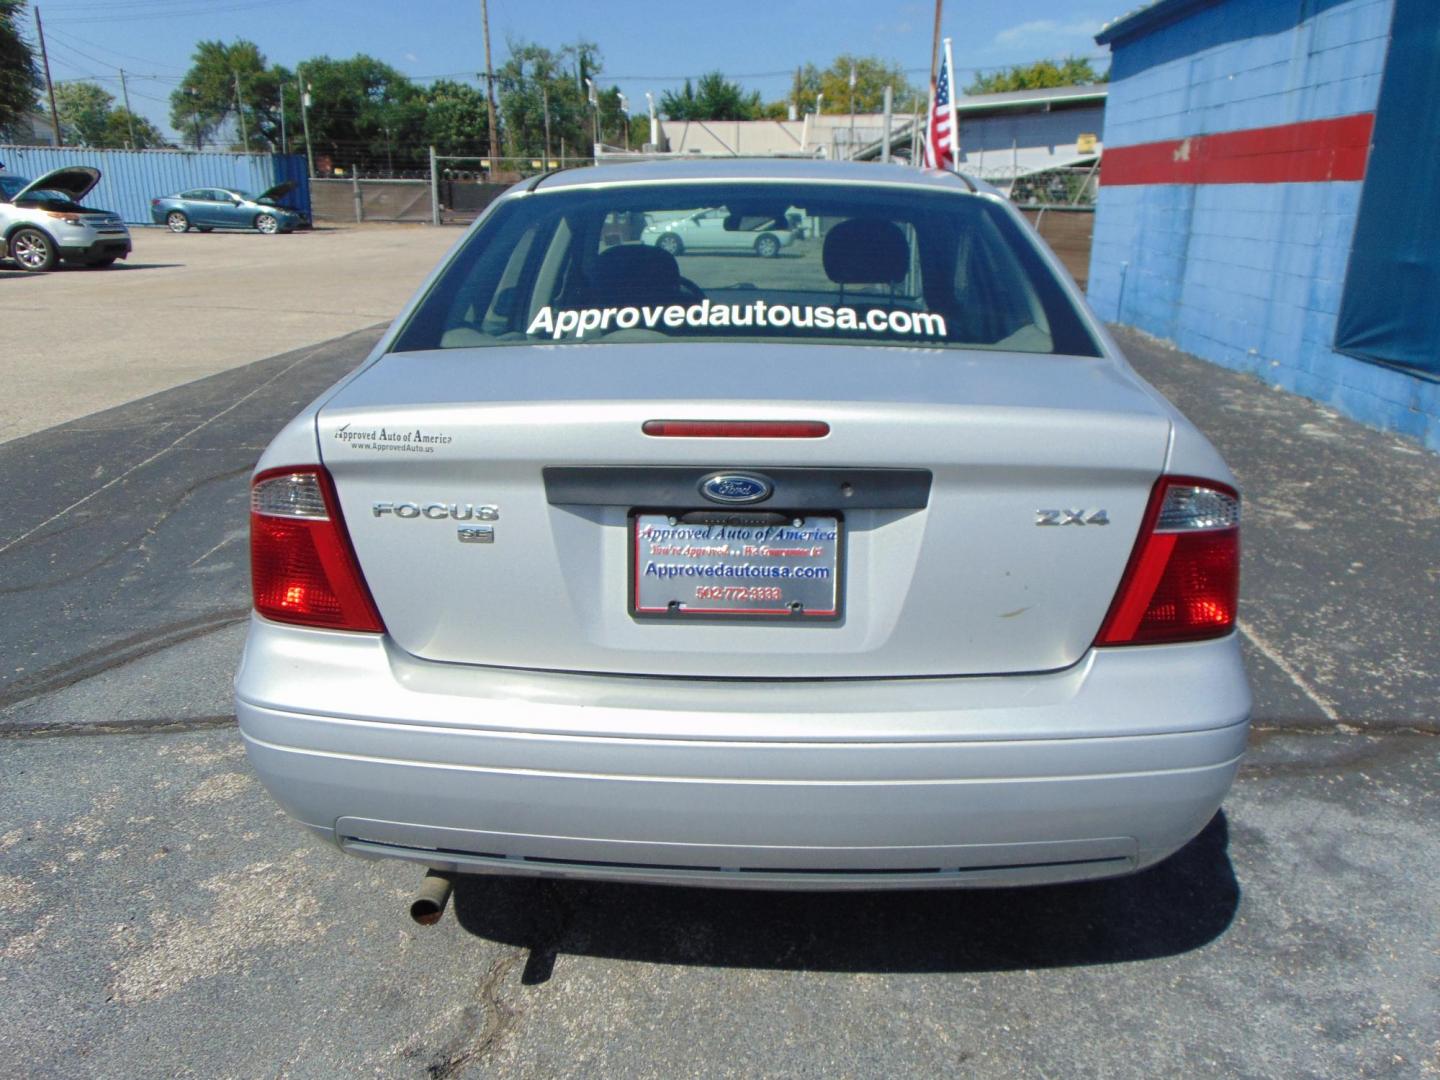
{"x":736,"y":488}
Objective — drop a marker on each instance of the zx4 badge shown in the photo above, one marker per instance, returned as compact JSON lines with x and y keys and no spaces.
{"x":1072,"y":517}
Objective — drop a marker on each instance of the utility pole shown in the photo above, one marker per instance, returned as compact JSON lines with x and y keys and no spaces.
{"x":240,"y":112}
{"x":595,"y":118}
{"x":192,"y":93}
{"x":49,"y":86}
{"x":284,"y":136}
{"x":305,"y":119}
{"x":129,"y":116}
{"x":490,"y":89}
{"x":434,"y":189}
{"x":885,"y":137}
{"x":545,"y":103}
{"x":625,"y":119}
{"x":917,"y":153}
{"x":852,"y":109}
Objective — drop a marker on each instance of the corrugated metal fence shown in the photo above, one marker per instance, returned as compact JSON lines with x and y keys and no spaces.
{"x":131,"y":178}
{"x":400,"y":200}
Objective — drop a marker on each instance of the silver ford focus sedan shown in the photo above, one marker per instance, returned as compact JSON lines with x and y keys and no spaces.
{"x":868,"y":565}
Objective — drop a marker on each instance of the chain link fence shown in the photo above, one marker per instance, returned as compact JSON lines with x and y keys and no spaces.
{"x":1072,"y":186}
{"x":1059,"y":202}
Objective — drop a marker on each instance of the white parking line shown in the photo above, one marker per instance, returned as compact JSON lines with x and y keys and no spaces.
{"x":162,"y":452}
{"x":1273,"y":655}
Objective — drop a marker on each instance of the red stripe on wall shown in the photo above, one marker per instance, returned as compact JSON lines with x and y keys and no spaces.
{"x":1287,"y":153}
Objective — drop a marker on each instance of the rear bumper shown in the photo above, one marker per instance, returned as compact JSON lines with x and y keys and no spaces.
{"x":1097,"y":770}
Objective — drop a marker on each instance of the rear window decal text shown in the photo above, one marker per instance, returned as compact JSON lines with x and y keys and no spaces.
{"x":577,"y":322}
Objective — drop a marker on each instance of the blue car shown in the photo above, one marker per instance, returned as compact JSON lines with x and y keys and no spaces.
{"x":226,"y":208}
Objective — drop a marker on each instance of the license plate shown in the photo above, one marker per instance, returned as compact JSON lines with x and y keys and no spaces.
{"x":723,"y":566}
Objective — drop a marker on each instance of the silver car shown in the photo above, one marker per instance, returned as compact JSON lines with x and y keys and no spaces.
{"x":42,"y":221}
{"x":874,"y":567}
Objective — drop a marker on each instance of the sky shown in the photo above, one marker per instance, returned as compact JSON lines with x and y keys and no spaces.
{"x":644,"y":45}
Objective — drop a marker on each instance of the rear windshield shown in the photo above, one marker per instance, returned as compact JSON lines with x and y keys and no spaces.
{"x":746,"y":261}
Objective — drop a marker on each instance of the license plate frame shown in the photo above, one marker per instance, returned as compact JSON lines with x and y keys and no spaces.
{"x":743,"y":595}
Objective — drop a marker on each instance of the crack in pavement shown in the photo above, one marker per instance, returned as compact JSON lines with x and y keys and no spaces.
{"x":117,"y":654}
{"x":500,"y":1019}
{"x":141,"y":726}
{"x":130,"y":544}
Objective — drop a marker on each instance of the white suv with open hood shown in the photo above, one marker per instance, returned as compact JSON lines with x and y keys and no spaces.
{"x":42,"y":221}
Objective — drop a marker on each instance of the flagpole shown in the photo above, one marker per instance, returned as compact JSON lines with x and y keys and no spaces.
{"x":935,"y":50}
{"x":954,"y":119}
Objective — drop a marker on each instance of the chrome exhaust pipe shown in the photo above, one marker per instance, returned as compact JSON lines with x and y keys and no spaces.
{"x":433,"y":895}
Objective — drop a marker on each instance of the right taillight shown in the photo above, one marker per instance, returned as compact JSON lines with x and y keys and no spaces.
{"x":1183,"y":579}
{"x":302,"y":568}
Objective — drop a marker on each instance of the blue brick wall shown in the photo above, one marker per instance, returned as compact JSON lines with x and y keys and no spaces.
{"x":1247,"y":64}
{"x":1249,"y":275}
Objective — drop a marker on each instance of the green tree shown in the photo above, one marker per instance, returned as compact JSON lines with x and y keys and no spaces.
{"x":534,"y":79}
{"x":131,"y":130}
{"x":456,"y":118}
{"x":89,"y":117}
{"x":362,"y":112}
{"x":84,"y":107}
{"x":18,"y":76}
{"x":233,"y":83}
{"x":1040,"y":75}
{"x":713,"y":98}
{"x":872,"y":75}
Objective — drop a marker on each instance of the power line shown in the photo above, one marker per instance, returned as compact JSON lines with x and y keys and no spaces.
{"x":86,"y":7}
{"x":176,"y":14}
{"x":790,"y":72}
{"x":67,"y":36}
{"x":67,"y":47}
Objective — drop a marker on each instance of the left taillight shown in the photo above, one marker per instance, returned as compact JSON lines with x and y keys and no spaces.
{"x":302,"y":567}
{"x":1183,"y":580}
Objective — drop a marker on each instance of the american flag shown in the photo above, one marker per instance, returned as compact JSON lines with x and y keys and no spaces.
{"x":940,"y":132}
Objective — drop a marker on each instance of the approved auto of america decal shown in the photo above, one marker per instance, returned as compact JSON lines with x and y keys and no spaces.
{"x":384,"y":439}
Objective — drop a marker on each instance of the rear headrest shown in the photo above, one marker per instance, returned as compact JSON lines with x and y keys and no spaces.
{"x":635,"y":273}
{"x":866,"y":251}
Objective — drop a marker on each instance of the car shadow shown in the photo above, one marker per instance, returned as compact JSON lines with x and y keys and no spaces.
{"x":1182,"y":904}
{"x":129,"y":266}
{"x":70,"y":268}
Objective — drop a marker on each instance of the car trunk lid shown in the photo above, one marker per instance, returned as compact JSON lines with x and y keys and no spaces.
{"x":969,"y":576}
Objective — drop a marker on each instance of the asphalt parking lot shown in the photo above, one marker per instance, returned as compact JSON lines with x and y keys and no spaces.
{"x":158,"y":916}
